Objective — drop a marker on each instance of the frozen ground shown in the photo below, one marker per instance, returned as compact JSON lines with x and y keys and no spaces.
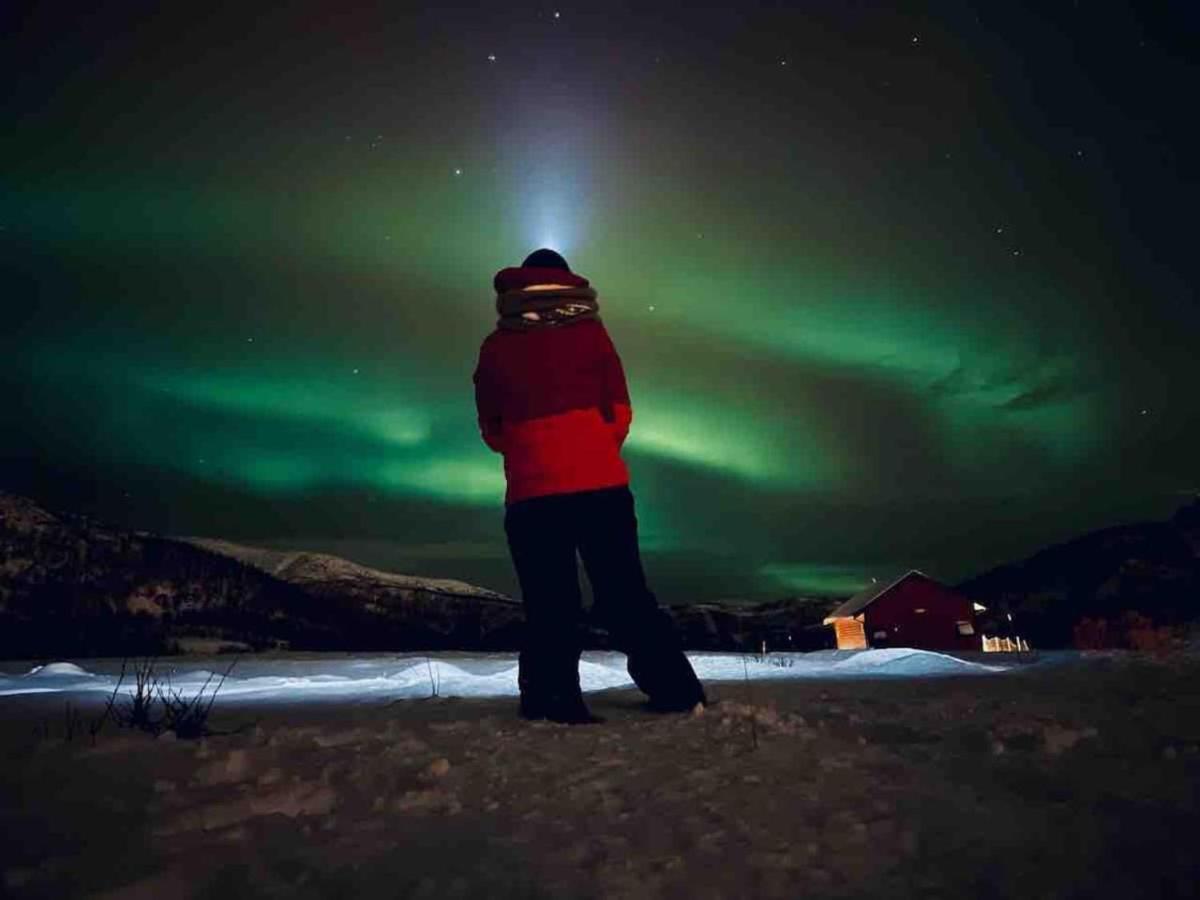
{"x":339,"y":677}
{"x":1074,"y":779}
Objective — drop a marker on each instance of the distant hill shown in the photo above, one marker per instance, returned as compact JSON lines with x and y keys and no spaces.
{"x":464,"y":609}
{"x":71,"y":586}
{"x":300,"y":567}
{"x":384,"y":610}
{"x":1149,"y":568}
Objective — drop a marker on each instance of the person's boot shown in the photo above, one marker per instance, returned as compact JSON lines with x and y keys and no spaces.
{"x":668,"y":679}
{"x":568,"y":709}
{"x":532,"y":708}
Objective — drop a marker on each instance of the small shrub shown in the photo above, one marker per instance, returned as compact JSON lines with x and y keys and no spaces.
{"x":1090,"y":634}
{"x":139,"y":711}
{"x":155,"y":707}
{"x":188,"y":716}
{"x":1142,"y":634}
{"x":72,"y":724}
{"x":768,"y":659}
{"x":1132,"y":631}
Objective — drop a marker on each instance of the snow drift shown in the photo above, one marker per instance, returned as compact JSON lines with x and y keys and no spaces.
{"x":461,"y":675}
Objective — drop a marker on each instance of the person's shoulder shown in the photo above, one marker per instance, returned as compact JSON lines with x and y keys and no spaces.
{"x":489,"y":342}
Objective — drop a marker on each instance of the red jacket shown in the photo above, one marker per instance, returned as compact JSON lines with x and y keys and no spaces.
{"x":554,"y":401}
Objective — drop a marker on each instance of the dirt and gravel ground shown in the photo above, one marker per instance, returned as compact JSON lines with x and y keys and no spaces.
{"x":1080,"y":780}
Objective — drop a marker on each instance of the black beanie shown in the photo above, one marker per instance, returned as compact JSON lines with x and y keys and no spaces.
{"x":545,"y":259}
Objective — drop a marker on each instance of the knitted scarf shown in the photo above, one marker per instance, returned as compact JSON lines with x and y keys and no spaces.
{"x":523,"y":309}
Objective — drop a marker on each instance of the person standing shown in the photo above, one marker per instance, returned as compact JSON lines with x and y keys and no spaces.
{"x":551,"y":396}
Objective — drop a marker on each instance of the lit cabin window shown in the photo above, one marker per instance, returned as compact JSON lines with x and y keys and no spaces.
{"x":966,"y":628}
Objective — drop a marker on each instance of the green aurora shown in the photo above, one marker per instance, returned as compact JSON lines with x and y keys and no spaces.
{"x":845,"y":359}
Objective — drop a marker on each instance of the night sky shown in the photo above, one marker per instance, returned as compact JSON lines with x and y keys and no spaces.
{"x":892,"y":288}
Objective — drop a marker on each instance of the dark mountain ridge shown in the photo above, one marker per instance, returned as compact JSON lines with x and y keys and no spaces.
{"x":1147,"y":570}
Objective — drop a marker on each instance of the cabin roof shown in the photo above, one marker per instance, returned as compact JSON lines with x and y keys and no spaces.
{"x":863,"y":599}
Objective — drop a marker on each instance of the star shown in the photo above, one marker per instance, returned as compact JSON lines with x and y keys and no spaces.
{"x":249,"y":340}
{"x":556,"y":14}
{"x":783,"y":62}
{"x":458,"y":171}
{"x":916,"y":39}
{"x":999,"y":231}
{"x":491,"y":57}
{"x":651,"y":308}
{"x":355,"y":371}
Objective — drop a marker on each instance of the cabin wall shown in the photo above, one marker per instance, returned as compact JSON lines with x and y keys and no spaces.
{"x":850,"y":635}
{"x":895,"y":614}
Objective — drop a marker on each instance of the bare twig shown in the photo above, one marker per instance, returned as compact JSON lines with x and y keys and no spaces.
{"x":139,"y":712}
{"x":96,"y":725}
{"x":72,"y":721}
{"x":750,"y":702}
{"x":434,"y":685}
{"x":220,"y":684}
{"x":188,"y":717}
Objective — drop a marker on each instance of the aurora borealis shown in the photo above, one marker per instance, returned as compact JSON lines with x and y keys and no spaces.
{"x":891,"y":288}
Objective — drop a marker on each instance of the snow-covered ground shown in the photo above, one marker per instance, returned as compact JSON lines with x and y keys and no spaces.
{"x":1075,"y":776}
{"x":337,"y":677}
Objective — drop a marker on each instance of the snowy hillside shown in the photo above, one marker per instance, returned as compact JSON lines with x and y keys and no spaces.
{"x":301,"y":567}
{"x":74,"y":587}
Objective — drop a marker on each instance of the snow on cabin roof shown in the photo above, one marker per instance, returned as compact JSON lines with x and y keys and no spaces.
{"x":863,"y":599}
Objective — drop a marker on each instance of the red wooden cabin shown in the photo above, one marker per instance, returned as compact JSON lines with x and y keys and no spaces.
{"x":912,"y":611}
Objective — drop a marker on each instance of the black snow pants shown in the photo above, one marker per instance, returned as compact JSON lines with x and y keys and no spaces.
{"x":544,"y":534}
